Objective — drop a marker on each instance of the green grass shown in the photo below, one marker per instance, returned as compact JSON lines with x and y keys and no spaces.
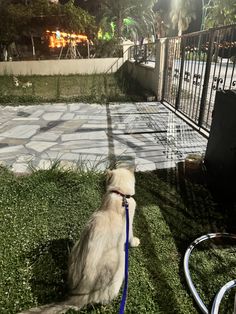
{"x":43,"y":214}
{"x":90,"y":88}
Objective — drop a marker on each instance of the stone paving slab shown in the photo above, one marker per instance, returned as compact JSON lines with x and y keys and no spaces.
{"x":147,"y":135}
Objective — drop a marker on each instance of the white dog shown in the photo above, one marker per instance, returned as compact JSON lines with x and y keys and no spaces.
{"x":96,"y":263}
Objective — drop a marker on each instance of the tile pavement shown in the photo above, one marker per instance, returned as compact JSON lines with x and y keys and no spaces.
{"x":145,"y":134}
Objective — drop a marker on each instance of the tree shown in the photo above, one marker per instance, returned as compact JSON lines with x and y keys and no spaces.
{"x":139,"y":12}
{"x":91,"y":6}
{"x":14,"y":18}
{"x":19,"y":17}
{"x":131,"y":18}
{"x":33,"y":17}
{"x":182,"y":13}
{"x":219,"y":13}
{"x":144,"y":17}
{"x":162,"y":18}
{"x":76,"y":19}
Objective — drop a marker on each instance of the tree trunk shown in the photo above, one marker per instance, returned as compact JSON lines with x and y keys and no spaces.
{"x":119,"y":26}
{"x":180,"y":32}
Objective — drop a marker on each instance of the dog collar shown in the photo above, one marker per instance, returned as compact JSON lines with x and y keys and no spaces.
{"x":121,"y":194}
{"x":124,"y":197}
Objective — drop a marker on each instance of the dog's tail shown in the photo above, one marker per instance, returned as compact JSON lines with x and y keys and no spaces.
{"x":58,"y":308}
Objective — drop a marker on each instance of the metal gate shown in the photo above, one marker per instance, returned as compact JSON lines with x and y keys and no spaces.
{"x":196,"y":66}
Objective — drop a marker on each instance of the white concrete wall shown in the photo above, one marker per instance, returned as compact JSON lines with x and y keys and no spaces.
{"x":144,"y":74}
{"x":150,"y":75}
{"x":63,"y":67}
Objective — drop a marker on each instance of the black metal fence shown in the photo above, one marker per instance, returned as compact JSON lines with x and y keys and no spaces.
{"x":196,"y":66}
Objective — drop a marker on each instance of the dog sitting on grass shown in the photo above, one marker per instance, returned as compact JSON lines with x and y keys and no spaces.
{"x":96,"y":262}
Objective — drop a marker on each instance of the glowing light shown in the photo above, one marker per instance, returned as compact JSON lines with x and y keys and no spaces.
{"x":129,"y":21}
{"x":58,"y":39}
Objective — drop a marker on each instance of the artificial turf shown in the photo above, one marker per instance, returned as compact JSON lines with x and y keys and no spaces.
{"x":42,"y":215}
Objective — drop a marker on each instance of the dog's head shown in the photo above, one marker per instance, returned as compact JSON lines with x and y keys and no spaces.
{"x":122,"y":180}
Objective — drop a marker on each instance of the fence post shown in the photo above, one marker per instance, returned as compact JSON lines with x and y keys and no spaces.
{"x":206,"y":77}
{"x":129,"y":53}
{"x":165,"y":70}
{"x":181,"y":74}
{"x":159,"y":66}
{"x":145,"y":53}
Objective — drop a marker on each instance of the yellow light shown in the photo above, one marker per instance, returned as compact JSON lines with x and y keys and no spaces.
{"x":64,"y":39}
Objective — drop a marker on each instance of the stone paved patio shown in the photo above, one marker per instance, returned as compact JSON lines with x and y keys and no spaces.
{"x":145,"y":134}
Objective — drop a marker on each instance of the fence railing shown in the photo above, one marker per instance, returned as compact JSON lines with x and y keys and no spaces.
{"x":195,"y":66}
{"x":143,"y":53}
{"x":119,"y":62}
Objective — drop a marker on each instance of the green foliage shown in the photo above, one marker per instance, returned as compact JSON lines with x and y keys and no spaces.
{"x":108,"y":48}
{"x":196,"y":56}
{"x":119,"y":11}
{"x":14,"y":18}
{"x":76,"y":19}
{"x":38,"y":15}
{"x":219,"y":13}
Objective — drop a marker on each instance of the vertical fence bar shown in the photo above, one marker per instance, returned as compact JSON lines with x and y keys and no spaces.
{"x":189,"y":59}
{"x":165,"y":69}
{"x":145,"y":53}
{"x":177,"y":102}
{"x":159,"y":66}
{"x":206,"y":77}
{"x":136,"y":53}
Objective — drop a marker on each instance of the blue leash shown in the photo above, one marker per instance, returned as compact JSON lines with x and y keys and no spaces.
{"x":124,"y":295}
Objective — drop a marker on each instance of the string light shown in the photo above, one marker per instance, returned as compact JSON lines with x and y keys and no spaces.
{"x":58,"y":39}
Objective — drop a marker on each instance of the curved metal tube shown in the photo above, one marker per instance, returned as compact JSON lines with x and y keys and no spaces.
{"x":186,"y":265}
{"x":216,"y":304}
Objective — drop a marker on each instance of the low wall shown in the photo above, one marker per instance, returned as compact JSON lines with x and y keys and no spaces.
{"x":145,"y":75}
{"x":62,"y":67}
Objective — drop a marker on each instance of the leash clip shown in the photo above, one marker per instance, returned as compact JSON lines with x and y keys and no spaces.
{"x":124,"y":201}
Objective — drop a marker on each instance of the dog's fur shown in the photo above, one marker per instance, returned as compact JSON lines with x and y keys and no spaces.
{"x":96,"y":263}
